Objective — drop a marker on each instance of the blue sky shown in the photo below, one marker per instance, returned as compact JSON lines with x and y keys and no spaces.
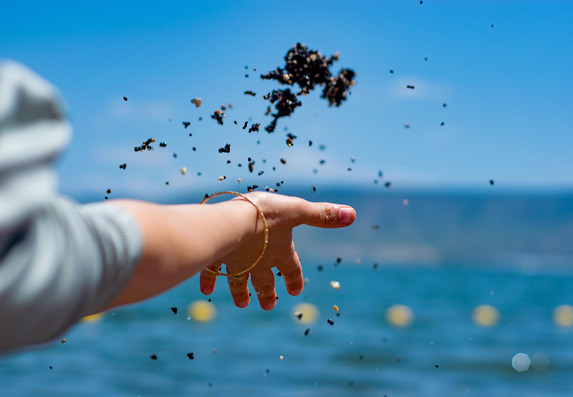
{"x":508,"y":90}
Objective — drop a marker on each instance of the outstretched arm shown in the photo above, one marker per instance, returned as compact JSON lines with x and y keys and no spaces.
{"x":181,"y":240}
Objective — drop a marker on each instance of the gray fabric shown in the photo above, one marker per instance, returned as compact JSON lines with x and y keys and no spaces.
{"x":59,"y":261}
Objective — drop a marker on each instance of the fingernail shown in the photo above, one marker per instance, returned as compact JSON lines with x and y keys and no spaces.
{"x":207,"y":290}
{"x":269,"y":306}
{"x":295,"y":292}
{"x":346,"y":215}
{"x":243,"y":304}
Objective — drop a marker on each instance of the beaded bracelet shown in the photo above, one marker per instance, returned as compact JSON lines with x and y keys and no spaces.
{"x":242,"y":274}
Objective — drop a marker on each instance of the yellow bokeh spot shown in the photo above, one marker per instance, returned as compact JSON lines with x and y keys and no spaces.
{"x":202,"y":311}
{"x":399,"y":315}
{"x":305,"y":313}
{"x":485,"y":315}
{"x":563,"y":315}
{"x":93,"y":318}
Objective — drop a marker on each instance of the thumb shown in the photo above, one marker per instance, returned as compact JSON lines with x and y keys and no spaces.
{"x":328,"y":215}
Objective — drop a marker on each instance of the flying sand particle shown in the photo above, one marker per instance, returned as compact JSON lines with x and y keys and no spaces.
{"x":218,"y":115}
{"x":225,"y":149}
{"x":254,"y":127}
{"x":145,"y":145}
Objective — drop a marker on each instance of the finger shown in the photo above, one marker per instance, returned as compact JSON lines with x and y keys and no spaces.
{"x":327,"y":215}
{"x":292,"y":273}
{"x":239,"y":287}
{"x":207,"y":279}
{"x":264,"y":284}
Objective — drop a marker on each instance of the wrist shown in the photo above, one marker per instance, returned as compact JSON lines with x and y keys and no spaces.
{"x":252,"y":238}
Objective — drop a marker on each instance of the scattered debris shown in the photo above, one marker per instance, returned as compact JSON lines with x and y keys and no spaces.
{"x":285,"y":103}
{"x":218,"y":116}
{"x":254,"y":127}
{"x":145,"y":145}
{"x":225,"y":149}
{"x":306,"y":68}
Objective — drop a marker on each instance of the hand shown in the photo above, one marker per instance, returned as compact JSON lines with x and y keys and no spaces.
{"x":283,"y":213}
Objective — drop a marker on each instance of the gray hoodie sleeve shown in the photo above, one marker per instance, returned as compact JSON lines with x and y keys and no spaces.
{"x":59,"y":261}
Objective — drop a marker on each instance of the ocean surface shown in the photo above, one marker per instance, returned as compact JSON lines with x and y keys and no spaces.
{"x":443,"y":352}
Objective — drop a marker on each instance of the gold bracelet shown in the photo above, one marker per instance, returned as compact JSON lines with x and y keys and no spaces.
{"x":243,"y":274}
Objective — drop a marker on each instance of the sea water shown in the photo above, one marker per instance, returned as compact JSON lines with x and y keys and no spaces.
{"x":440,"y":256}
{"x":442,"y":352}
